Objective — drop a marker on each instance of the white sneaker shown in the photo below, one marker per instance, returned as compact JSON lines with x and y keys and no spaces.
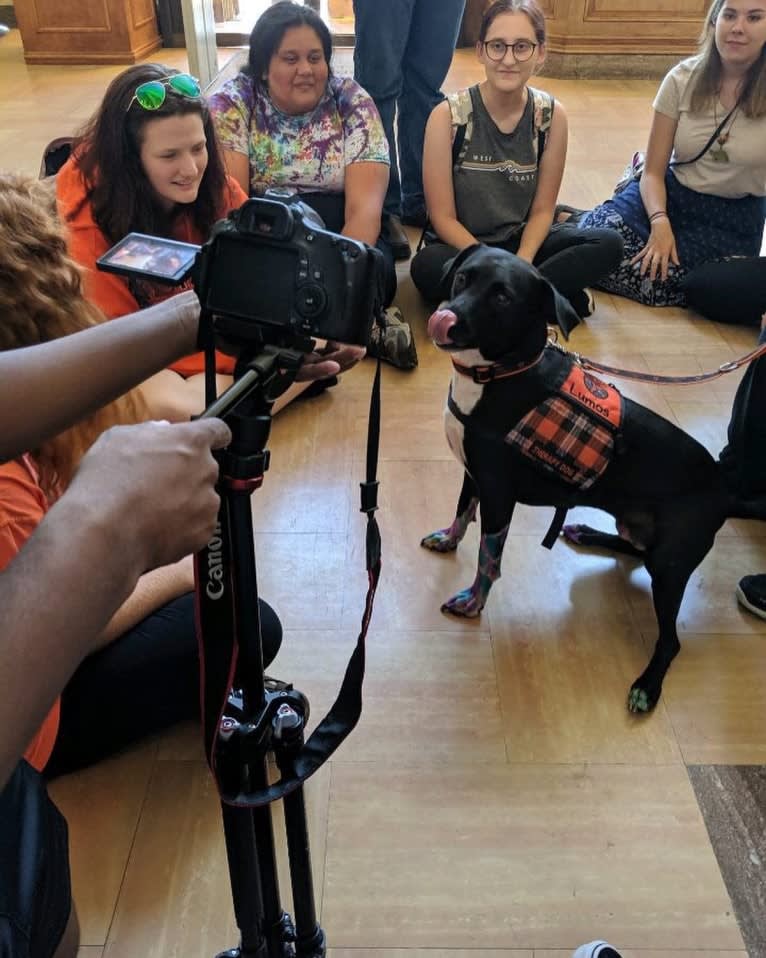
{"x":596,"y":949}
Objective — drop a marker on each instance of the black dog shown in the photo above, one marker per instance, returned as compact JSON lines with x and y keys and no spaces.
{"x":530,"y":426}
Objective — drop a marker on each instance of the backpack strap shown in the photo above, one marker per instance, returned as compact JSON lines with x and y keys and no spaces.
{"x":542,"y":105}
{"x":461,"y":113}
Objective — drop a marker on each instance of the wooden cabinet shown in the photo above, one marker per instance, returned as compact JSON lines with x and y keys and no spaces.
{"x":611,"y":37}
{"x":87,"y":31}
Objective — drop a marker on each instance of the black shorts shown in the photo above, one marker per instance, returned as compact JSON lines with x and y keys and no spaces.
{"x":35,"y":890}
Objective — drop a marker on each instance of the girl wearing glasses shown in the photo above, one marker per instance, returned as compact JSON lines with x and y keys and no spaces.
{"x":148,"y":162}
{"x":493,"y":162}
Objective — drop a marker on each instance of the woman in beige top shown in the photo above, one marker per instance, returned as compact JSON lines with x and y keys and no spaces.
{"x":693,"y":224}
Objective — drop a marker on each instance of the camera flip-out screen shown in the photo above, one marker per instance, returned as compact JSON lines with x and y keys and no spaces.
{"x":150,"y":257}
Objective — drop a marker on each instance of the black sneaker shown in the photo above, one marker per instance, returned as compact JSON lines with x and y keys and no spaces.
{"x":744,"y":508}
{"x":596,"y":949}
{"x":751,"y":594}
{"x":318,"y":387}
{"x":393,"y":233}
{"x":418,"y":218}
{"x":393,"y":341}
{"x":567,"y":214}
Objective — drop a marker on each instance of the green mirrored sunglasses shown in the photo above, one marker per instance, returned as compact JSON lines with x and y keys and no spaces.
{"x":151,"y":95}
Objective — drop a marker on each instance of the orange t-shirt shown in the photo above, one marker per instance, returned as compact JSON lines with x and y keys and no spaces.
{"x":22,"y":507}
{"x":110,"y":292}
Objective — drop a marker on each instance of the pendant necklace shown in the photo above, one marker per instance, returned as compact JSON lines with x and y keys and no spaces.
{"x":718,"y":154}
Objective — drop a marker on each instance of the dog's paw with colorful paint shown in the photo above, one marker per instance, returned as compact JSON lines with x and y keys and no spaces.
{"x":466,"y":603}
{"x":640,"y":700}
{"x":443,"y":540}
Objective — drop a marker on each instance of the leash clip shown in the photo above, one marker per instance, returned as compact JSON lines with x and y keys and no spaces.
{"x":728,"y":367}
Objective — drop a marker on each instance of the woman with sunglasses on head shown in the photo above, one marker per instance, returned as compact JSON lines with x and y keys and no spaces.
{"x":148,"y":162}
{"x":492,"y":166}
{"x":286,"y":121}
{"x":693,"y":222}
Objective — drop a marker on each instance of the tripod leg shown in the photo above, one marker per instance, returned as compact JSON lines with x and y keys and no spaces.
{"x":246,"y":880}
{"x":309,"y":937}
{"x":265,"y":929}
{"x":277,"y":924}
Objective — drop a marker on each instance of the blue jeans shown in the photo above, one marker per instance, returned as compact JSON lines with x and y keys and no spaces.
{"x":403,"y":50}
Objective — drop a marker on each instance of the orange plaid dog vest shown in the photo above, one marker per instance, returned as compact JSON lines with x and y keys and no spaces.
{"x":571,"y":434}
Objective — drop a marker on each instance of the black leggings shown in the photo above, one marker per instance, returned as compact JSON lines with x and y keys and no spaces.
{"x":570,"y":258}
{"x":743,"y":459}
{"x":332,"y":208}
{"x":143,"y":682}
{"x":731,"y":291}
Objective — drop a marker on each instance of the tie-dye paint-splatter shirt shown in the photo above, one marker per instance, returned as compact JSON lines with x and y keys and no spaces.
{"x":308,"y":152}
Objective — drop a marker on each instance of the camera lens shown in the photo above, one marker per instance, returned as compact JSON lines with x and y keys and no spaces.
{"x":310,"y":300}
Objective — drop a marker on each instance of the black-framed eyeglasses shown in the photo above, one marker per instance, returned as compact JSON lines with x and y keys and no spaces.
{"x":521,"y":49}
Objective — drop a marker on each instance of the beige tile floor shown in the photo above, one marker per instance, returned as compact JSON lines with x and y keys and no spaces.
{"x":496,"y":799}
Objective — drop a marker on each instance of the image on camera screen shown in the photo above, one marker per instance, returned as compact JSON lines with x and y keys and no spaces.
{"x":163,"y":260}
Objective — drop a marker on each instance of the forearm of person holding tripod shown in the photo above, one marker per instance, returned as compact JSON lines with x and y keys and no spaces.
{"x":45,"y":388}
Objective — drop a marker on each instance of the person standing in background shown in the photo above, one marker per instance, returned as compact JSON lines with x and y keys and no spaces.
{"x":403,"y":50}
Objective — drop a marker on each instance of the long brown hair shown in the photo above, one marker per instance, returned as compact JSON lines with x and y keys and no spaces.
{"x":41,"y":299}
{"x":108,"y":153}
{"x":709,"y":73}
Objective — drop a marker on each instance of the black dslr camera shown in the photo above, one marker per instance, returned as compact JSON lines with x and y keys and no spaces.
{"x":269,"y":272}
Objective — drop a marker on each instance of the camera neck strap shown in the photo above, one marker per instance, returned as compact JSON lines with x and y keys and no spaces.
{"x":219,"y":652}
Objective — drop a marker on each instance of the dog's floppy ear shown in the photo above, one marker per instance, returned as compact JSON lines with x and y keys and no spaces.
{"x":452,"y":266}
{"x":557,"y":310}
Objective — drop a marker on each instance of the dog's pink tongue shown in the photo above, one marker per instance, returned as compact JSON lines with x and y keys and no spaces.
{"x":439,"y":325}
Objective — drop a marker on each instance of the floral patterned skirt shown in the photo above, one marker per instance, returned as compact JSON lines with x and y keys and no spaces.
{"x":707,"y":229}
{"x":627,"y":280}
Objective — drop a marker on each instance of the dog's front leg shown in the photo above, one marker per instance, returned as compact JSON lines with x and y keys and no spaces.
{"x":496,"y":513}
{"x":446,"y":540}
{"x":469,"y":602}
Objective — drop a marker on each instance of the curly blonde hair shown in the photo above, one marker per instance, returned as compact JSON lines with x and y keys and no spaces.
{"x":41,"y":299}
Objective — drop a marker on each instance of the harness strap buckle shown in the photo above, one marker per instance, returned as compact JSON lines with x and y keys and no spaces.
{"x":483,"y":374}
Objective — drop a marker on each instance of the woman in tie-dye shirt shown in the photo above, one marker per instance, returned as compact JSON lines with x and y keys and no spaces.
{"x":286,"y":121}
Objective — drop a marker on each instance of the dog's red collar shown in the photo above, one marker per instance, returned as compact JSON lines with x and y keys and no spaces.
{"x":488,"y":374}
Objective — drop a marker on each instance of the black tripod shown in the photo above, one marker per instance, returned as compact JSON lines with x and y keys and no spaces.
{"x":245,"y":716}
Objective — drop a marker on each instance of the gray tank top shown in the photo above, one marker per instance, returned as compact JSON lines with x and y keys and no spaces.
{"x":495,"y":176}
